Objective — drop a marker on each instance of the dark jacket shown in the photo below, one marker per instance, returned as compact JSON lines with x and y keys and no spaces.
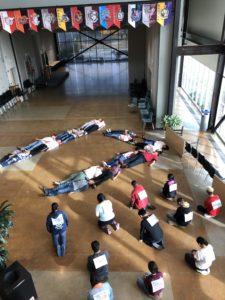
{"x":57,"y":222}
{"x":102,"y":272}
{"x":150,"y":234}
{"x":181,"y":212}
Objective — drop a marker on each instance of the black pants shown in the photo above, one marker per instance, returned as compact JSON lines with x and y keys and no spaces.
{"x":38,"y":149}
{"x":103,"y":177}
{"x":92,"y":128}
{"x":201,"y":209}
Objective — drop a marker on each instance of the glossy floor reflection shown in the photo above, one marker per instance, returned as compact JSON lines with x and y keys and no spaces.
{"x":29,"y":242}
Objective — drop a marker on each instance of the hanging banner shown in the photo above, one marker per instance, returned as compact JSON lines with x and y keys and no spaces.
{"x":8,"y":21}
{"x":62,"y":18}
{"x":106,"y":15}
{"x":77,"y":17}
{"x":49,"y":18}
{"x":164,"y":13}
{"x":20,"y":20}
{"x":118,"y":15}
{"x":134,"y":14}
{"x":33,"y":19}
{"x":149,"y":14}
{"x":91,"y":17}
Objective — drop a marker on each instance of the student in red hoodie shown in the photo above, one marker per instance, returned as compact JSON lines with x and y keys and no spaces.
{"x":139,"y":197}
{"x":212,"y":205}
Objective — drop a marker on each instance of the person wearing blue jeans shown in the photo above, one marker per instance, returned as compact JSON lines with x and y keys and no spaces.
{"x":57,"y":223}
{"x":122,"y":135}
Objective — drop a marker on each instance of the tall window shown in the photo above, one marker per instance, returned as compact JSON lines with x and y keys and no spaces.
{"x":198,"y":82}
{"x":221,"y":111}
{"x":72,"y":43}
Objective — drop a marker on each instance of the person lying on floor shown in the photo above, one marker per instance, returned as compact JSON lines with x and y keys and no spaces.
{"x":68,"y":187}
{"x":89,"y":173}
{"x":69,"y":135}
{"x":15,"y":156}
{"x":140,"y":157}
{"x":109,"y":173}
{"x":122,"y":135}
{"x":93,"y":125}
{"x":156,"y":146}
{"x":119,"y":158}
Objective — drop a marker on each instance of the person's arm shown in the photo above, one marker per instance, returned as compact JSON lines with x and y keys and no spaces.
{"x":133,"y":199}
{"x":142,"y":230}
{"x":66,"y":219}
{"x":97,"y":212}
{"x":49,"y":224}
{"x":151,"y":163}
{"x":118,"y":173}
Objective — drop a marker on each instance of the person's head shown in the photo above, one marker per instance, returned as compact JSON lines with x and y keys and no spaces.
{"x":142,"y":212}
{"x":170,"y":177}
{"x":55,"y":206}
{"x":210,"y":190}
{"x":202,"y":242}
{"x":95,"y":279}
{"x":180,"y":201}
{"x":153,"y":268}
{"x":101,"y":197}
{"x":134,"y":183}
{"x":95,"y":245}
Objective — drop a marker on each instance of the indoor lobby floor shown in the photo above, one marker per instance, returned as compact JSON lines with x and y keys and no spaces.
{"x":53,"y":110}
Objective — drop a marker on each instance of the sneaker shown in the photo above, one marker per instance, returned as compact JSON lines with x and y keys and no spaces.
{"x":117,"y":226}
{"x":207,"y":216}
{"x":108,"y":130}
{"x":152,"y":207}
{"x":104,"y":164}
{"x":93,"y":186}
{"x":108,"y":231}
{"x":204,"y":272}
{"x":56,"y":183}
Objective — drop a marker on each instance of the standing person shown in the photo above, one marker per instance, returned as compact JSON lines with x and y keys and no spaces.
{"x":169,"y":190}
{"x":150,"y":231}
{"x":139,"y":197}
{"x":104,"y":213}
{"x":201,"y":260}
{"x":212,"y":205}
{"x":100,"y":290}
{"x":152,"y":283}
{"x":57,"y":223}
{"x":183,"y":215}
{"x":98,"y":264}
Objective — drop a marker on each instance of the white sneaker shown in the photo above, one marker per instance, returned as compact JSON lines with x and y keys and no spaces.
{"x":204,"y":272}
{"x":207,"y":216}
{"x":104,"y":164}
{"x":117,"y":226}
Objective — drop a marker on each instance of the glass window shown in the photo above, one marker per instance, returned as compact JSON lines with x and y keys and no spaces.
{"x":221,"y":111}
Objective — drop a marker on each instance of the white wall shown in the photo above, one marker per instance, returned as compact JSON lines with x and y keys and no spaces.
{"x":136,"y":48}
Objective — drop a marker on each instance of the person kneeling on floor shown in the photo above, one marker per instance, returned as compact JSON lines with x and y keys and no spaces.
{"x":201,"y":260}
{"x":139,"y":197}
{"x":169,"y":190}
{"x":150,"y":231}
{"x":212,"y":205}
{"x":183,"y":215}
{"x":100,"y":290}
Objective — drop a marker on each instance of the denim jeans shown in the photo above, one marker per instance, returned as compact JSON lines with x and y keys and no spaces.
{"x":135,"y":160}
{"x":67,"y":187}
{"x":73,"y":177}
{"x":65,"y":137}
{"x":33,"y":145}
{"x":59,"y":241}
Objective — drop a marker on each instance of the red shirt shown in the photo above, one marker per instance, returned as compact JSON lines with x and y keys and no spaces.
{"x":139,"y":197}
{"x":213,"y":205}
{"x":149,"y":157}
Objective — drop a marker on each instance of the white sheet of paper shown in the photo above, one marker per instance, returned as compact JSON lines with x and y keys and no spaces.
{"x":142,"y":195}
{"x":103,"y":295}
{"x":58,"y":222}
{"x":157,"y":284}
{"x":173,"y":187}
{"x":188,"y":217}
{"x":100,"y":261}
{"x":152,"y":220}
{"x":216,"y":204}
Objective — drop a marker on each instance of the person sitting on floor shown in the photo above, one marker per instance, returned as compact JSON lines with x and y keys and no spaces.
{"x":119,"y":158}
{"x":150,"y":231}
{"x":68,"y":187}
{"x":108,"y":173}
{"x":97,"y":263}
{"x":169,"y":190}
{"x":122,"y":135}
{"x":100,"y":290}
{"x":183,"y":215}
{"x":104,"y":213}
{"x":89,"y":173}
{"x":139,"y":197}
{"x":140,"y":157}
{"x":152,"y":283}
{"x":202,"y":259}
{"x":212,"y":205}
{"x":93,"y":125}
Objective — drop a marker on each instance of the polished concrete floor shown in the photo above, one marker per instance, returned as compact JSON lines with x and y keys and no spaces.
{"x":51,"y":110}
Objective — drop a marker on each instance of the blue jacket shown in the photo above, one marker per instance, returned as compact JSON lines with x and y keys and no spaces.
{"x":57,"y":222}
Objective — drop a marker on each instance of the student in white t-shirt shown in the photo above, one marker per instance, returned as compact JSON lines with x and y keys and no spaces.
{"x":104,"y":213}
{"x":202,"y":259}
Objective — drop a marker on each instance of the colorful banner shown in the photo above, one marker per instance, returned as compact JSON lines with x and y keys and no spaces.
{"x":164,"y":13}
{"x":106,"y":15}
{"x":119,"y":15}
{"x":149,"y":14}
{"x":62,"y":18}
{"x":8,"y":21}
{"x":134,"y":14}
{"x":77,"y":17}
{"x":20,"y":20}
{"x":49,"y":18}
{"x":91,"y":17}
{"x":34,"y":21}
